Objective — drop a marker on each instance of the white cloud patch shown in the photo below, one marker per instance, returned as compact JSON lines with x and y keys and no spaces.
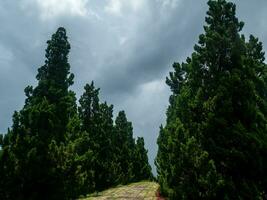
{"x":116,"y":7}
{"x":122,"y":40}
{"x":55,"y":8}
{"x":146,"y":108}
{"x":6,"y":55}
{"x":169,"y":3}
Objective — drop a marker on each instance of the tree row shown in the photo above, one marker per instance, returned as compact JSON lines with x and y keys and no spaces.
{"x":58,"y":149}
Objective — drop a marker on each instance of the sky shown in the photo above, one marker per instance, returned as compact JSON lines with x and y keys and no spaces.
{"x":126,"y":46}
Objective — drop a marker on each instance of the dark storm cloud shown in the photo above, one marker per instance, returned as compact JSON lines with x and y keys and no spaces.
{"x":159,"y":39}
{"x":125,"y":46}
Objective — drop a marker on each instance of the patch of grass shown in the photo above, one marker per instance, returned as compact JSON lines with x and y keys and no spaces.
{"x":141,"y":190}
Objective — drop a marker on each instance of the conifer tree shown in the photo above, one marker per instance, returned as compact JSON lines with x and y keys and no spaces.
{"x":97,"y":124}
{"x":41,"y":126}
{"x":57,"y":150}
{"x":107,"y":146}
{"x":218,"y":100}
{"x":124,"y":145}
{"x":141,"y":167}
{"x":89,"y":110}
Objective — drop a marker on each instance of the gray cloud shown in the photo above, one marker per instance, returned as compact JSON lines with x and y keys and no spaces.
{"x":126,"y":46}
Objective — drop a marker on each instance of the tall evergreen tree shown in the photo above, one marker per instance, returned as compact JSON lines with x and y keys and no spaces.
{"x":219,"y":101}
{"x":57,"y":150}
{"x":124,"y":145}
{"x":41,"y":126}
{"x":97,"y":122}
{"x":141,"y":167}
{"x":107,"y":154}
{"x":89,"y":110}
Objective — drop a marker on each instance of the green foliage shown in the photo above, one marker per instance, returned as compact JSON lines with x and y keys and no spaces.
{"x":124,"y":148}
{"x":189,"y":173}
{"x":39,"y":126}
{"x":56,"y":150}
{"x":141,"y":167}
{"x":1,"y":139}
{"x":97,"y":125}
{"x":217,"y":115}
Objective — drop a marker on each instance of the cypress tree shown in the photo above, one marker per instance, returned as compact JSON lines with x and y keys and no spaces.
{"x":56,"y":150}
{"x":39,"y":129}
{"x":89,"y":109}
{"x":97,"y":124}
{"x":124,"y":145}
{"x":141,"y":167}
{"x":219,"y":101}
{"x":107,"y":145}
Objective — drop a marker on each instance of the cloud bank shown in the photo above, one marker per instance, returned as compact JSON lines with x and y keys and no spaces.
{"x":125,"y":46}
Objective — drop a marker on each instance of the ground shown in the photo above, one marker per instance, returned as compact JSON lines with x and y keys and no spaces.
{"x":139,"y":191}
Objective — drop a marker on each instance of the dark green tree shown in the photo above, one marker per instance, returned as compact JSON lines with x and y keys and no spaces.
{"x":189,"y":172}
{"x":1,"y":139}
{"x":97,"y":125}
{"x":40,"y":127}
{"x":89,"y":109}
{"x":57,"y":150}
{"x":7,"y":170}
{"x":124,"y":145}
{"x":218,"y":98}
{"x":141,"y":167}
{"x":107,"y":152}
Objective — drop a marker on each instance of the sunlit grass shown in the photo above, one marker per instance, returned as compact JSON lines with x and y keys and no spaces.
{"x":141,"y":190}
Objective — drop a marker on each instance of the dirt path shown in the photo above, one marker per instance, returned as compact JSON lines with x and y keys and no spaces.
{"x":138,"y":191}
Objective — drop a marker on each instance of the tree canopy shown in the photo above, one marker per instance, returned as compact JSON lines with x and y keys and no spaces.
{"x":214,"y":143}
{"x":57,"y":149}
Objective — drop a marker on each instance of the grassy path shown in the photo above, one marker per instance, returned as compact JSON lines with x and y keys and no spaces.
{"x":141,"y":190}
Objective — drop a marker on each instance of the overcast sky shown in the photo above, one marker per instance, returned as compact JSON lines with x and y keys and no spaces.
{"x":126,"y":46}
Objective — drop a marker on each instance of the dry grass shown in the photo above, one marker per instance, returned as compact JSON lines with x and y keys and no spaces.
{"x":139,"y":191}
